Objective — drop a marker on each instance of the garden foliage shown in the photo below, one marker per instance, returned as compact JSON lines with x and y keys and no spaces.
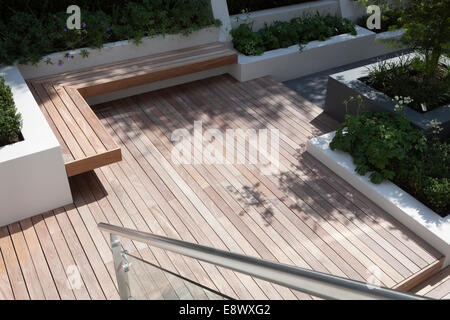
{"x":388,"y":147}
{"x":10,"y":120}
{"x":280,"y":34}
{"x":30,"y":30}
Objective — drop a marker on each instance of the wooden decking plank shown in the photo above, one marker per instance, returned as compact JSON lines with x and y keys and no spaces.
{"x":71,"y":76}
{"x":67,"y":155}
{"x":55,"y":265}
{"x":216,"y":199}
{"x":316,"y":221}
{"x":242,"y":166}
{"x":6,"y":292}
{"x":171,"y":213}
{"x":240,"y":290}
{"x":91,"y":118}
{"x":42,"y":269}
{"x":412,"y":252}
{"x":205,"y":198}
{"x":144,"y":65}
{"x":185,"y":201}
{"x":12,"y":265}
{"x":86,"y":123}
{"x":26,"y":263}
{"x":436,"y":287}
{"x":70,"y":120}
{"x":210,"y":97}
{"x":172,"y":70}
{"x":60,"y":225}
{"x":60,"y":124}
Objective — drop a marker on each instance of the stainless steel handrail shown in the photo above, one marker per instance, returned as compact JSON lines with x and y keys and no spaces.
{"x":315,"y":283}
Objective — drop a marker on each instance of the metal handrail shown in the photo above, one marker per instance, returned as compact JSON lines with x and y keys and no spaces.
{"x":312,"y":282}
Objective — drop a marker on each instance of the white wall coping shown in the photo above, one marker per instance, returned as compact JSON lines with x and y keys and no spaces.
{"x":420,"y":219}
{"x":38,"y":136}
{"x":127,"y":42}
{"x":361,"y":32}
{"x":284,"y":13}
{"x":33,"y":177}
{"x":394,"y":34}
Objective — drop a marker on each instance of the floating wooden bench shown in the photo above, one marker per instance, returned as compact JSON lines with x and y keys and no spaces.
{"x":85,"y":143}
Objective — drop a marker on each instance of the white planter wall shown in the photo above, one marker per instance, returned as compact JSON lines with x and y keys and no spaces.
{"x":351,"y":9}
{"x":290,"y":63}
{"x":33,"y":177}
{"x":117,"y":51}
{"x":287,"y":13}
{"x":420,"y":219}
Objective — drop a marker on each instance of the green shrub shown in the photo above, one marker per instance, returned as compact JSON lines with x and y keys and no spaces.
{"x":390,"y":148}
{"x":426,"y":25}
{"x":377,"y":142}
{"x":10,"y":120}
{"x":284,"y":34}
{"x":29,"y":33}
{"x":437,"y":192}
{"x":240,"y":6}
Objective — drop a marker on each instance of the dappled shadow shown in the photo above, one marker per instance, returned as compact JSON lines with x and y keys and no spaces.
{"x":249,"y":196}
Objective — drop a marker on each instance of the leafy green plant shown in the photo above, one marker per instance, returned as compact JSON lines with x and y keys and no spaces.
{"x":10,"y":120}
{"x":377,"y":141}
{"x":426,"y":25}
{"x":284,"y":34}
{"x":389,"y":148}
{"x":28,"y":32}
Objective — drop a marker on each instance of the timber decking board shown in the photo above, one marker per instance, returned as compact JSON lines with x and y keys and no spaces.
{"x":85,"y":144}
{"x":304,"y":216}
{"x":436,"y":287}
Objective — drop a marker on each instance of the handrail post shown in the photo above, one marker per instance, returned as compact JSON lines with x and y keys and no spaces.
{"x":121,"y":267}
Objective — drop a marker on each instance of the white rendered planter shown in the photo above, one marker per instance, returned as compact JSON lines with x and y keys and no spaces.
{"x":286,"y":13}
{"x":402,"y":206}
{"x":117,"y":51}
{"x":380,"y":46}
{"x":33,"y":177}
{"x":290,"y":63}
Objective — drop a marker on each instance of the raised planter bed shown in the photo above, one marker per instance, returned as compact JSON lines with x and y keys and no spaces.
{"x":345,"y":84}
{"x":33,"y":177}
{"x":258,"y":18}
{"x":290,"y":63}
{"x":413,"y":214}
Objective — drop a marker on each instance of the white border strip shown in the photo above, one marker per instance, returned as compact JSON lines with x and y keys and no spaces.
{"x":413,"y":214}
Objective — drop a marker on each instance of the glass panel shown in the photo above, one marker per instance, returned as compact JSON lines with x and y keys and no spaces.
{"x":147,"y":281}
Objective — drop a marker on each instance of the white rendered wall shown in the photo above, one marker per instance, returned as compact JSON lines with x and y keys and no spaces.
{"x":33,"y":177}
{"x":420,"y":219}
{"x":286,"y":13}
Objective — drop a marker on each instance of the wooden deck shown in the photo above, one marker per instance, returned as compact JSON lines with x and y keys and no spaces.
{"x":304,"y":216}
{"x":84,"y":141}
{"x":437,"y":287}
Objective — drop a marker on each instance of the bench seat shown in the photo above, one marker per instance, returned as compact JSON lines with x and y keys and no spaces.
{"x":85,"y":143}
